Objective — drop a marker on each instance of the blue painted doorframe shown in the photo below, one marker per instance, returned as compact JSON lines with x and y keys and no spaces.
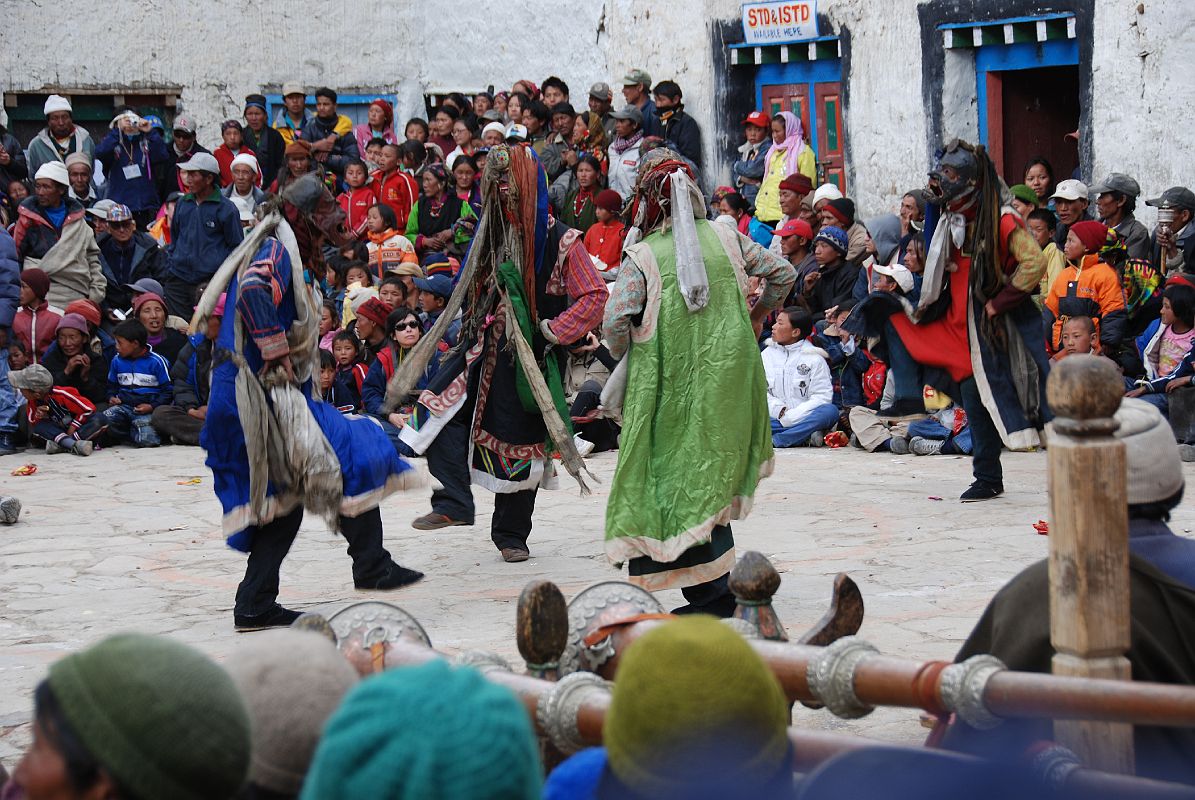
{"x":1008,"y":57}
{"x":808,"y":72}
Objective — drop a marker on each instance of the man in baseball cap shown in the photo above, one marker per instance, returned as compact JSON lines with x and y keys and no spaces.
{"x":600,"y":100}
{"x":1115,"y":200}
{"x":206,"y":228}
{"x":636,"y":90}
{"x":183,"y":146}
{"x":292,"y":118}
{"x":900,"y":276}
{"x":1175,"y":236}
{"x":1070,"y":204}
{"x":748,"y":170}
{"x":60,"y":137}
{"x":795,"y":237}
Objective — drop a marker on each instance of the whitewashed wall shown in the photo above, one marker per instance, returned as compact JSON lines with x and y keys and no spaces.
{"x":1142,"y":84}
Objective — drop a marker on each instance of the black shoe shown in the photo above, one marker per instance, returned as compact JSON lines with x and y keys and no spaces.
{"x":723,"y":608}
{"x":8,"y":444}
{"x":981,"y":490}
{"x":903,"y":409}
{"x":397,"y":577}
{"x":276,"y":617}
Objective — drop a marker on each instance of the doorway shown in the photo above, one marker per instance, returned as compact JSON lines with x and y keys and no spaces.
{"x":821,"y":120}
{"x":1030,"y":113}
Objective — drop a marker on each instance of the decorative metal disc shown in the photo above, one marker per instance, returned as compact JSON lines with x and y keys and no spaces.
{"x":373,"y":621}
{"x":595,"y":607}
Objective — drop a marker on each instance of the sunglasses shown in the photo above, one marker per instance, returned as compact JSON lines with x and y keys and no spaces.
{"x":404,"y":326}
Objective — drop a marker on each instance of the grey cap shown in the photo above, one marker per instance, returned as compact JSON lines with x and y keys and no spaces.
{"x":34,"y":377}
{"x":1175,"y":197}
{"x":201,"y":162}
{"x":101,"y":208}
{"x":637,"y":76}
{"x":629,"y":112}
{"x":600,"y":91}
{"x":146,"y":285}
{"x":1117,"y":182}
{"x":293,"y":87}
{"x":493,"y":115}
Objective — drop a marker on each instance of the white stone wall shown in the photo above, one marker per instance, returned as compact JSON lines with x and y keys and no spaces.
{"x":219,"y":52}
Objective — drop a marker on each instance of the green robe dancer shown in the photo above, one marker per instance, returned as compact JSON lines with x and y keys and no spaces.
{"x":696,"y":438}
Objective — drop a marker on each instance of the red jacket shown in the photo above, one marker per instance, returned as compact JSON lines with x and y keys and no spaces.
{"x":603,"y":241}
{"x":65,"y":406}
{"x":35,"y":329}
{"x":356,"y":204}
{"x":224,"y":157}
{"x":399,"y":191}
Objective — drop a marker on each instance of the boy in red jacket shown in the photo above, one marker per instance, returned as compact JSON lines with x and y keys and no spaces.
{"x":55,"y":412}
{"x":34,"y":323}
{"x":604,"y":238}
{"x":394,"y":187}
{"x":359,"y":198}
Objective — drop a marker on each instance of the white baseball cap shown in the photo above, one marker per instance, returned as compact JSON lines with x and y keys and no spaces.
{"x":201,"y":162}
{"x":1071,"y":189}
{"x":897,"y":272}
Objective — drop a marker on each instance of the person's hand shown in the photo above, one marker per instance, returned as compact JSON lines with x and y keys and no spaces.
{"x":197,"y":413}
{"x":1140,"y":390}
{"x":810,"y":280}
{"x":5,"y":156}
{"x":591,"y":343}
{"x":113,"y":401}
{"x":397,"y":420}
{"x":1178,"y":383}
{"x":1167,"y":241}
{"x":990,"y":309}
{"x":145,"y":126}
{"x":570,"y":157}
{"x":143,"y":408}
{"x":281,"y":363}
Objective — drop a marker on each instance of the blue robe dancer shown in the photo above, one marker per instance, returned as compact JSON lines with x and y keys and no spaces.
{"x":262,"y":302}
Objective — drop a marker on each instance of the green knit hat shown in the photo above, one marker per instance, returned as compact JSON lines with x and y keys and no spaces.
{"x":691,"y":697}
{"x":427,"y":731}
{"x":162,"y":718}
{"x":1023,"y":193}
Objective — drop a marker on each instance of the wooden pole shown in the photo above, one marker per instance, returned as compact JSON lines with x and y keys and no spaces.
{"x":1089,"y":548}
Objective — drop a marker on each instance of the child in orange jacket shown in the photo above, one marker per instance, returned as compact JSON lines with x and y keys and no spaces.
{"x":1087,"y":287}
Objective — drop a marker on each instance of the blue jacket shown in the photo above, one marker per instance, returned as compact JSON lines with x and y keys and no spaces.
{"x":146,"y":152}
{"x":750,"y":168}
{"x":145,"y":379}
{"x":10,"y":280}
{"x":203,"y":234}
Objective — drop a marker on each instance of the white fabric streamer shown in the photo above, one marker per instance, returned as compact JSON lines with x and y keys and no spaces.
{"x":691,"y":277}
{"x":951,"y":230}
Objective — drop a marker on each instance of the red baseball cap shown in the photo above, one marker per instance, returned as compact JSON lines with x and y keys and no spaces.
{"x":795,"y":227}
{"x":758,"y":119}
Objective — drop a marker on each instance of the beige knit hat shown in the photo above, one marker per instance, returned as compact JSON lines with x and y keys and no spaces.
{"x":292,"y":681}
{"x":1155,"y":471}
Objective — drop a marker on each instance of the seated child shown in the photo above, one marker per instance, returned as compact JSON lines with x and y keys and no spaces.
{"x":358,"y":287}
{"x":327,"y":376}
{"x":800,"y":389}
{"x":1169,"y":353}
{"x":393,"y":291}
{"x":358,"y":198}
{"x":603,"y":240}
{"x":1087,"y":287}
{"x":56,"y":413}
{"x":35,"y":322}
{"x":350,"y":373}
{"x":138,"y":382}
{"x":329,"y":325}
{"x":388,"y":247}
{"x":1078,"y":336}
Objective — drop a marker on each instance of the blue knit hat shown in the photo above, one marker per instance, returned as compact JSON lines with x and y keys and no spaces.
{"x":427,"y":731}
{"x":835,"y":237}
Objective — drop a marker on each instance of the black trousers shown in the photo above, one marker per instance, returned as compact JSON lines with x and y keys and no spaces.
{"x":985,"y":438}
{"x":259,"y":589}
{"x":602,"y":432}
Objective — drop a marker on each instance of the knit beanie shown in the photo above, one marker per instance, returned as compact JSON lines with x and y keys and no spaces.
{"x":86,"y":309}
{"x":427,"y":731}
{"x":835,"y":237}
{"x":1023,"y":193}
{"x":162,"y":718}
{"x":299,"y":147}
{"x":693,"y":702}
{"x":1092,"y":234}
{"x":375,"y":310}
{"x":37,"y":280}
{"x":1151,"y":454}
{"x":843,"y":210}
{"x":609,"y":200}
{"x":75,"y":322}
{"x":292,"y":681}
{"x":797,"y":182}
{"x":146,"y":297}
{"x":827,"y":191}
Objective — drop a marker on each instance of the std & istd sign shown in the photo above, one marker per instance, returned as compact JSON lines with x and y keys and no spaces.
{"x":779,"y":22}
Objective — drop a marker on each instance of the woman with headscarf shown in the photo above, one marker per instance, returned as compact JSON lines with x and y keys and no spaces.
{"x":439,"y":219}
{"x":379,"y":125}
{"x":788,"y":155}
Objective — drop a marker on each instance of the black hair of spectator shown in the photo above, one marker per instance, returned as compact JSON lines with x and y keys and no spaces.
{"x":669,"y":89}
{"x":1182,"y":302}
{"x":413,"y":148}
{"x":470,"y":122}
{"x":1044,"y":216}
{"x":13,"y":341}
{"x":133,"y":331}
{"x":389,"y":218}
{"x":593,"y":162}
{"x":1087,"y":322}
{"x":1157,"y":512}
{"x":800,"y":319}
{"x":351,"y":338}
{"x":419,"y":122}
{"x":326,"y":359}
{"x":395,"y":280}
{"x":736,"y":201}
{"x":361,"y":265}
{"x":399,"y":314}
{"x":376,"y":141}
{"x":564,"y":108}
{"x":324,"y":91}
{"x":449,"y":110}
{"x":552,"y":80}
{"x":539,"y":111}
{"x":459,"y":100}
{"x":82,"y":768}
{"x":356,"y":162}
{"x":464,"y":158}
{"x":1033,"y":162}
{"x":524,"y":99}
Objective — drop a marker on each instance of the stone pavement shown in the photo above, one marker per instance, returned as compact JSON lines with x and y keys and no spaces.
{"x":123,"y":540}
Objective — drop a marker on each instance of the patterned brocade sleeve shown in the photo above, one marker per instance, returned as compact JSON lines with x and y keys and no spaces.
{"x":628,"y":296}
{"x":778,"y":275}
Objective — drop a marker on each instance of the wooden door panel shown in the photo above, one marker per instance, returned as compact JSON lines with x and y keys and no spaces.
{"x":792,"y":97}
{"x":831,"y":135}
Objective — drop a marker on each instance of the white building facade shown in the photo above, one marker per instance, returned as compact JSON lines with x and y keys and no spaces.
{"x":880,"y":85}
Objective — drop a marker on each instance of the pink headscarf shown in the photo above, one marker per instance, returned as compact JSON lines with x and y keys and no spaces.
{"x":793,"y":144}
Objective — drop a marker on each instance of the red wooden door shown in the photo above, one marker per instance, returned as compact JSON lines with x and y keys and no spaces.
{"x":792,"y":97}
{"x":831,"y":136}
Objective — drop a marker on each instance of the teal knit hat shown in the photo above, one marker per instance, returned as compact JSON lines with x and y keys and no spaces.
{"x":162,"y":718}
{"x":431,"y":731}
